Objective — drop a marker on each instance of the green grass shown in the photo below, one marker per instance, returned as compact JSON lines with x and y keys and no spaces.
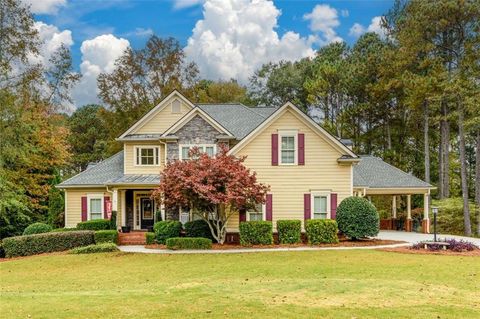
{"x":322,"y":284}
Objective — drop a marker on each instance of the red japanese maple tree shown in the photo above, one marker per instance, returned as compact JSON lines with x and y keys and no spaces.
{"x":214,"y":188}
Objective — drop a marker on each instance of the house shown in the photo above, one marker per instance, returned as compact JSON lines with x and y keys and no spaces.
{"x":309,"y":171}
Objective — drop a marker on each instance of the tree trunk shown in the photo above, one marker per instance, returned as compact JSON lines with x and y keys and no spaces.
{"x":463,"y":172}
{"x":426,"y":142}
{"x":444,"y":163}
{"x":477,"y":181}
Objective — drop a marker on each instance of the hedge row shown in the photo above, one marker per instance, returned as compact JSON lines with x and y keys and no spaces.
{"x":321,"y":231}
{"x":46,"y":243}
{"x":37,"y":228}
{"x":166,"y":229}
{"x":256,"y":233}
{"x":98,"y":248}
{"x":96,"y":224}
{"x":177,"y":243}
{"x":198,"y":228}
{"x":106,"y":236}
{"x":289,"y":231}
{"x":150,"y":238}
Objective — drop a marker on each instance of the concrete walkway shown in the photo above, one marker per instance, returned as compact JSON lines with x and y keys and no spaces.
{"x":410,"y":238}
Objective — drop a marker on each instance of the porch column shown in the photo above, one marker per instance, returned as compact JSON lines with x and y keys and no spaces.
{"x":115,"y":200}
{"x":426,"y":208}
{"x":394,"y":211}
{"x":408,"y":225}
{"x":124,"y":208}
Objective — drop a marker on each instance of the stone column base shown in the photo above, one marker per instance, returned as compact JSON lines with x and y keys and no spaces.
{"x":426,"y":226}
{"x":409,"y":225}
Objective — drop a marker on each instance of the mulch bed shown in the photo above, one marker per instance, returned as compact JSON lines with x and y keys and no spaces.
{"x":342,"y":243}
{"x":408,"y":250}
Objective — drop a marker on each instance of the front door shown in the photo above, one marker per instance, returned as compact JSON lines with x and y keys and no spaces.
{"x":146,"y":212}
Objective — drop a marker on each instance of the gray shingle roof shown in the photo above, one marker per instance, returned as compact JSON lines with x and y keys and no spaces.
{"x":109,"y":172}
{"x":238,"y":119}
{"x":373,"y":172}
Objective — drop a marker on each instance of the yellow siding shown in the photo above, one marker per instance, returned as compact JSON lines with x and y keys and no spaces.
{"x":164,"y":119}
{"x":129,"y":158}
{"x":74,"y":204}
{"x":321,"y":171}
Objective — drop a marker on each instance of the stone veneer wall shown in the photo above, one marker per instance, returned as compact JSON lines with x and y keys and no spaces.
{"x":196,"y":131}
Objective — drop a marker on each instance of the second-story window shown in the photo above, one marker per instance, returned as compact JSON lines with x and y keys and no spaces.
{"x":146,"y":155}
{"x":210,"y":149}
{"x":288,"y":147}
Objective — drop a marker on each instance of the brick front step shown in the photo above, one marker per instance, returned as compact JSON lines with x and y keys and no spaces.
{"x":133,"y":238}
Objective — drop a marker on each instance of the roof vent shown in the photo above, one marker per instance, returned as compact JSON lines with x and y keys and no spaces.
{"x":176,"y":106}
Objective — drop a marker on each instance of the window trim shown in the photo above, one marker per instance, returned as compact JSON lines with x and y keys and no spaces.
{"x":264,"y":213}
{"x":190,"y":146}
{"x":102,"y":206}
{"x":156,"y":155}
{"x":326,"y":194}
{"x":288,"y":133}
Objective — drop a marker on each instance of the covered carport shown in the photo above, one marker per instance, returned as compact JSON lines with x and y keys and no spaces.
{"x":374,"y":177}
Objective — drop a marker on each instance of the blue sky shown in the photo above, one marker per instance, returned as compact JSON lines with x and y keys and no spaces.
{"x":233,"y":39}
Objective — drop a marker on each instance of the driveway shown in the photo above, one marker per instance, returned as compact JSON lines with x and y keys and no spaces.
{"x":416,"y":237}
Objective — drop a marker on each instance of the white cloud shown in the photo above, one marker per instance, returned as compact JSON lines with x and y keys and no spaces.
{"x":345,"y":13}
{"x":139,"y":32}
{"x":52,"y":38}
{"x":98,"y":55}
{"x":181,"y":4}
{"x":324,"y":20}
{"x":375,"y":26}
{"x":356,"y":30}
{"x":45,"y":6}
{"x":236,"y":37}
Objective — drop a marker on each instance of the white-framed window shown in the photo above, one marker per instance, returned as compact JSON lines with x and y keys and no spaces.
{"x":176,"y":107}
{"x":288,"y":149}
{"x":147,"y":155}
{"x":210,"y":149}
{"x":256,"y":213}
{"x":320,"y":205}
{"x":95,"y":206}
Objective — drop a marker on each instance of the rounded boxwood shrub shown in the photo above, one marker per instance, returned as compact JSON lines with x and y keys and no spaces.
{"x":176,"y":243}
{"x":149,"y":238}
{"x":106,"y":236}
{"x":289,"y":231}
{"x":98,"y":248}
{"x":256,"y":233}
{"x":321,"y":231}
{"x":46,"y":243}
{"x":198,"y":228}
{"x":166,"y":229}
{"x":37,"y":228}
{"x":96,"y":224}
{"x":357,"y":218}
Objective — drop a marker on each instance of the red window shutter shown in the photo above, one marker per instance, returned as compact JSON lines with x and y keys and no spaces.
{"x":307,"y":210}
{"x":107,"y":207}
{"x":84,"y":208}
{"x":274,"y":149}
{"x":269,"y":207}
{"x":301,"y":149}
{"x":242,"y":215}
{"x":333,"y":205}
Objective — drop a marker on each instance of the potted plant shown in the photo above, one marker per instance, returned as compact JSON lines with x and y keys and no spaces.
{"x":125,"y":229}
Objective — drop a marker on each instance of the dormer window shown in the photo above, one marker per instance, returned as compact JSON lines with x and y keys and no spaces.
{"x":146,"y":155}
{"x":176,"y":107}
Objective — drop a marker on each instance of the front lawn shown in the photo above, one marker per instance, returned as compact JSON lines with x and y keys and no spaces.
{"x":327,"y":284}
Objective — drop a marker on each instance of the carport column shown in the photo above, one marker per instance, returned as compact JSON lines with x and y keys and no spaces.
{"x":124,"y":208}
{"x":115,"y":200}
{"x":408,"y":225}
{"x":394,"y":212}
{"x":426,"y":208}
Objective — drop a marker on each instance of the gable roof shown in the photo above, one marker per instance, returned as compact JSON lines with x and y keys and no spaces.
{"x":373,"y":172}
{"x":332,"y":140}
{"x":160,"y":106}
{"x":237,"y":118}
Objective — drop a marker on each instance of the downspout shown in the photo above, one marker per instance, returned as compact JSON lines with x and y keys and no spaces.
{"x":165,"y":148}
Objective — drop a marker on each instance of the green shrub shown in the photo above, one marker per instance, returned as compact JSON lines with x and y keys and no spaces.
{"x":166,"y":229}
{"x":150,"y":238}
{"x":37,"y":228}
{"x":357,"y":218}
{"x":177,"y":243}
{"x":96,"y":224}
{"x":64,"y":229}
{"x":256,"y":233}
{"x":450,"y":216}
{"x":289,"y":231}
{"x":321,"y":231}
{"x":98,"y":248}
{"x":198,"y":228}
{"x":113,"y":220}
{"x":46,"y":242}
{"x":158,"y":216}
{"x":2,"y":251}
{"x":106,"y":236}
